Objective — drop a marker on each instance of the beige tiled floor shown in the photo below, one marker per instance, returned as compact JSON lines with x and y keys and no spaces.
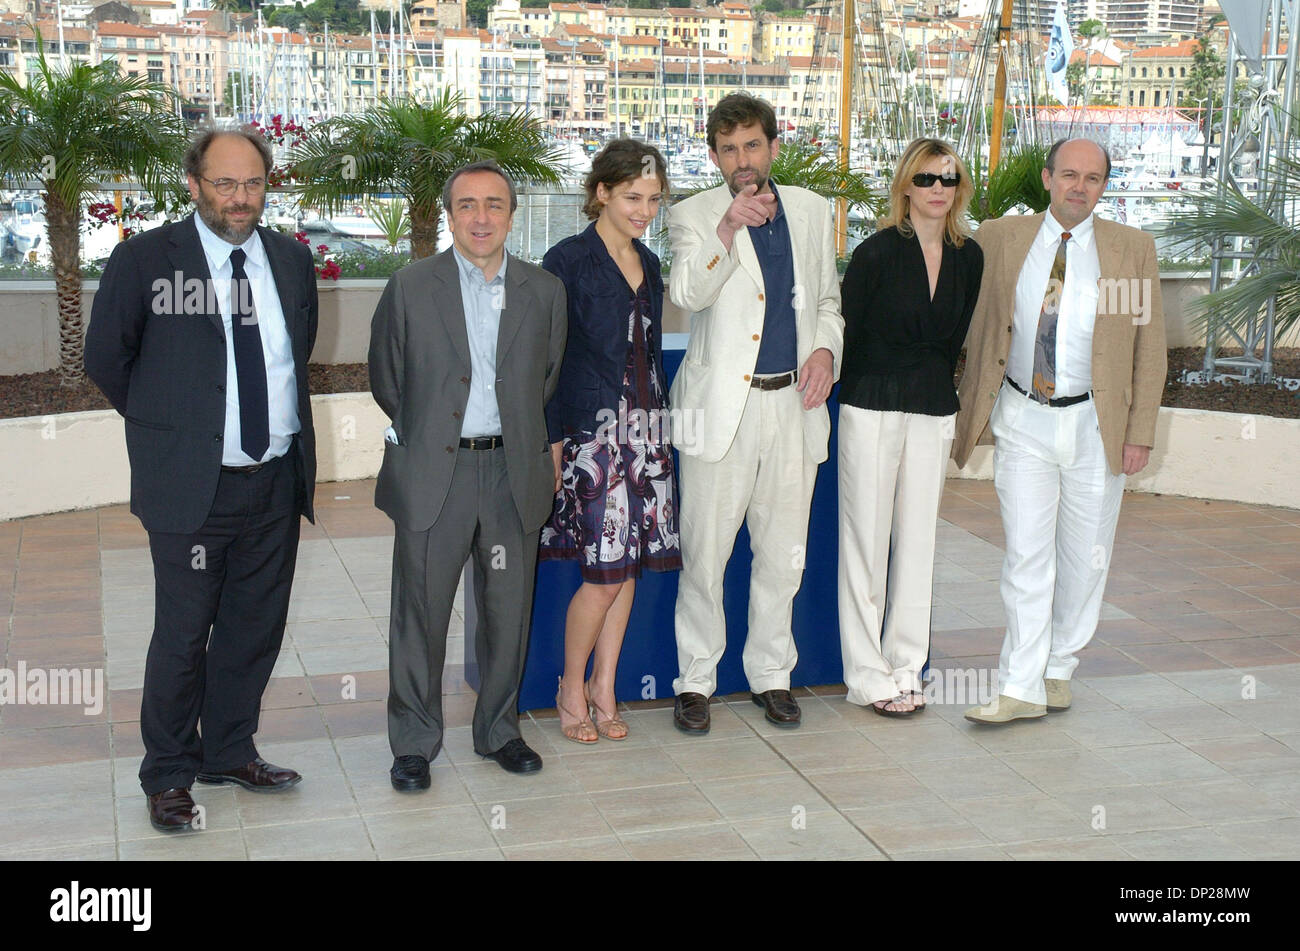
{"x":1184,"y":740}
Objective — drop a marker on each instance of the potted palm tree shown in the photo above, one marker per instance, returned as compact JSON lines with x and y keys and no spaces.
{"x":1272,"y":274}
{"x":71,"y":129}
{"x":411,"y":148}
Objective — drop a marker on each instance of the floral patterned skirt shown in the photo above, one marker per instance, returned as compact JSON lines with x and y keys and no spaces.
{"x":616,"y":510}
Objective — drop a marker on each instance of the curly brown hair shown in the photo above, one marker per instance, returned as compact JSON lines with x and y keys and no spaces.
{"x":622,"y":160}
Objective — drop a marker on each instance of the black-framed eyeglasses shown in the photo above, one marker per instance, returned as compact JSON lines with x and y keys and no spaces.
{"x":225,"y":187}
{"x":927,"y":179}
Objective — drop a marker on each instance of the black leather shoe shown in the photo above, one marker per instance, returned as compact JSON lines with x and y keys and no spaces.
{"x":779,"y":708}
{"x":517,"y":757}
{"x":691,"y":713}
{"x":172,"y":810}
{"x":410,"y":773}
{"x":257,"y":776}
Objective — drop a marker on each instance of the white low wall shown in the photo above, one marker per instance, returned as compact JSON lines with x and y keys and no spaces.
{"x":1207,"y":455}
{"x":78,"y":460}
{"x":29,"y":320}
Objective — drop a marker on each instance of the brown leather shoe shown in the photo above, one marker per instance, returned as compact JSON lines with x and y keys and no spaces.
{"x":257,"y":776}
{"x":691,"y":713}
{"x":172,"y":810}
{"x":779,"y":708}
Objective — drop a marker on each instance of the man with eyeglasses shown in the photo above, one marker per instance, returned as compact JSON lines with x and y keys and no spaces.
{"x":199,"y":336}
{"x":1065,"y":364}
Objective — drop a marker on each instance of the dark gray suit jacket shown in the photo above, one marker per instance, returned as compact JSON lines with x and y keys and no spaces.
{"x":163,"y":367}
{"x":420,"y":376}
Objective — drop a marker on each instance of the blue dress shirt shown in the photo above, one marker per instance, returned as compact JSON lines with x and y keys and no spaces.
{"x":779,"y":350}
{"x":482,"y":301}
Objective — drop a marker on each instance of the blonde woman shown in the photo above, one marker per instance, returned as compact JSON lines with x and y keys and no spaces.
{"x":908,"y":295}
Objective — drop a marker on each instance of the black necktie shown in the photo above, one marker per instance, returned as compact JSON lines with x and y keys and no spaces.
{"x":250,"y":363}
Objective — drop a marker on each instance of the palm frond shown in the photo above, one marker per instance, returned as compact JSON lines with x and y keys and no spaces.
{"x":1016,"y":181}
{"x":1274,"y":270}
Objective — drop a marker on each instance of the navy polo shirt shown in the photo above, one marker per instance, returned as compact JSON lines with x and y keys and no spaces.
{"x":779,"y":350}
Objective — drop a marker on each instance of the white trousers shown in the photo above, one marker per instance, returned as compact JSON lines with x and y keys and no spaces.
{"x":892,"y":468}
{"x":1060,"y":503}
{"x":766,"y":481}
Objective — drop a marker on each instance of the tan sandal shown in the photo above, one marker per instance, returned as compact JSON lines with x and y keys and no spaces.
{"x":611,"y":728}
{"x":584,"y":731}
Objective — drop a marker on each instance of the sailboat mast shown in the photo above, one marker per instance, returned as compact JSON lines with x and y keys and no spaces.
{"x":1000,"y":86}
{"x":847,"y":55}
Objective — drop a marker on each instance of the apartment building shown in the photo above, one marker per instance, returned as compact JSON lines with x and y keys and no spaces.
{"x":576,"y":81}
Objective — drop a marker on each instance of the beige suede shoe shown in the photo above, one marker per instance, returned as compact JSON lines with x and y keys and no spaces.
{"x":1058,"y":694}
{"x":1004,"y":709}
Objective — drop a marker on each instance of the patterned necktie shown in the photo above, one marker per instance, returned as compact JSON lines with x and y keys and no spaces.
{"x":1044,"y":385}
{"x":250,"y":363}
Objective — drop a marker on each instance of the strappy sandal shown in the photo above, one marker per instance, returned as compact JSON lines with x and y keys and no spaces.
{"x":916,"y":699}
{"x":584,"y":731}
{"x":611,"y":728}
{"x":880,"y":706}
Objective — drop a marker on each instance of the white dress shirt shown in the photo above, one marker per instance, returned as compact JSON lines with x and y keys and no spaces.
{"x":1078,"y":307}
{"x":277,"y":349}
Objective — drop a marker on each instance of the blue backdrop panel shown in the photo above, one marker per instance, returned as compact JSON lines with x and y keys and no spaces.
{"x":649,"y":660}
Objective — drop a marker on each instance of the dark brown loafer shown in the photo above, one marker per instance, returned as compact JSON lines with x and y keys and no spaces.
{"x":172,"y":810}
{"x":779,"y":708}
{"x":257,"y":776}
{"x":691,"y":713}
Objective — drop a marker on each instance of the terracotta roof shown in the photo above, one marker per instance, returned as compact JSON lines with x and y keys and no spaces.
{"x":113,"y":28}
{"x":1185,"y":48}
{"x":1095,"y":58}
{"x":804,"y":62}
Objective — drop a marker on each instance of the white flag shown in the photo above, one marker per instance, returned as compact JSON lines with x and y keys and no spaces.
{"x":1060,"y":46}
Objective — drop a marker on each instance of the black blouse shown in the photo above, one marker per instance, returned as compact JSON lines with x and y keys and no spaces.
{"x":901,"y":347}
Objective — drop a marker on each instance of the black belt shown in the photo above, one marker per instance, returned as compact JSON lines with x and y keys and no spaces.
{"x":247,"y":469}
{"x":481,"y":442}
{"x":1061,"y":401}
{"x":774,"y":382}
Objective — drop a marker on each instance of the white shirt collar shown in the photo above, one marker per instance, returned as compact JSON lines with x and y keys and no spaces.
{"x":468,"y":267}
{"x":1051,"y":231}
{"x":218,"y":249}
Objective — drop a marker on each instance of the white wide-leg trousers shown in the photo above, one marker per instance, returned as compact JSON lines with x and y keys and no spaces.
{"x":766,"y":481}
{"x":891,"y":469}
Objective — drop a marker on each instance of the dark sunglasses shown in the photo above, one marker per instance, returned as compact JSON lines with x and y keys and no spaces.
{"x":927,"y":179}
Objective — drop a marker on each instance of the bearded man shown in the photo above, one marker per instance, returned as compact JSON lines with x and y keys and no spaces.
{"x":199,"y":336}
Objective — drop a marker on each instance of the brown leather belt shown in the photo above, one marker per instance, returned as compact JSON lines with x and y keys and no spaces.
{"x":1061,"y":401}
{"x":774,"y":382}
{"x":481,"y":442}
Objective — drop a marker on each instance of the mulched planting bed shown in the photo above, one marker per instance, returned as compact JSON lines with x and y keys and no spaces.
{"x":40,"y":394}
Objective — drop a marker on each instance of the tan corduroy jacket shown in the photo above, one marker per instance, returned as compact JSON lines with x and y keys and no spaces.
{"x":1128,"y":340}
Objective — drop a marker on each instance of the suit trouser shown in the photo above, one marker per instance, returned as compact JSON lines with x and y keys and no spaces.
{"x":892,"y":468}
{"x":478,"y":519}
{"x":1060,"y":504}
{"x":766,"y":481}
{"x":220,"y":604}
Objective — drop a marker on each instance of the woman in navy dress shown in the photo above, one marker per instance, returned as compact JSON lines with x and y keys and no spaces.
{"x":616,"y":510}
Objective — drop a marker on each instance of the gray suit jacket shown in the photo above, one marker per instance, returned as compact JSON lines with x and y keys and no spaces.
{"x":420,"y":376}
